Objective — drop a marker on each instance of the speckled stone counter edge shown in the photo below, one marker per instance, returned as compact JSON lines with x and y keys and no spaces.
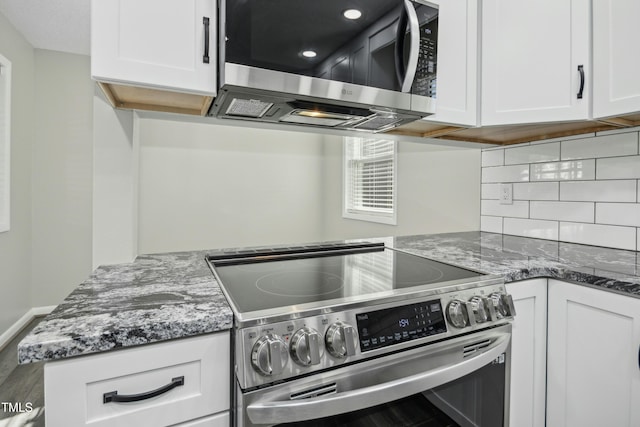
{"x":169,"y":296}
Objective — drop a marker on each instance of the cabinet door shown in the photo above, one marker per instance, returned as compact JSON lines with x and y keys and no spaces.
{"x":457,"y":90}
{"x":76,"y":390}
{"x":616,"y":89}
{"x":593,"y":377}
{"x":528,"y":353}
{"x":531,"y":51}
{"x":219,"y":420}
{"x":155,"y":43}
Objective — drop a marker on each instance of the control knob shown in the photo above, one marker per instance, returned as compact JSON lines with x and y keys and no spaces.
{"x":305,"y":347}
{"x":480,"y":309}
{"x":340,"y":340}
{"x":457,"y":314}
{"x":269,"y":355}
{"x":503,"y":304}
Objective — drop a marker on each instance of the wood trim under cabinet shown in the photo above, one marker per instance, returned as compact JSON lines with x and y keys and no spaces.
{"x":142,"y":98}
{"x":508,"y":134}
{"x":624,"y":121}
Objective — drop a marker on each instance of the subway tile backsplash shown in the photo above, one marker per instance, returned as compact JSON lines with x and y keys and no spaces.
{"x":617,"y":190}
{"x":570,"y":170}
{"x":563,"y":211}
{"x":581,"y":190}
{"x":505,"y":173}
{"x":535,"y":191}
{"x":532,"y":154}
{"x":536,"y":228}
{"x":619,"y":167}
{"x":600,"y":146}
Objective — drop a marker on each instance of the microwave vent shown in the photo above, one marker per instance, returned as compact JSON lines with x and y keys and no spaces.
{"x":248,"y":108}
{"x":378,"y":123}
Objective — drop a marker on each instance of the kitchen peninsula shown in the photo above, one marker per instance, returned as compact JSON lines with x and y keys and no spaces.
{"x":164,"y":297}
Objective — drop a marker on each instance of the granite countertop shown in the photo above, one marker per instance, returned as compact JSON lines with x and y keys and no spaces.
{"x":521,"y":258}
{"x":174,"y":295}
{"x":156,"y":298}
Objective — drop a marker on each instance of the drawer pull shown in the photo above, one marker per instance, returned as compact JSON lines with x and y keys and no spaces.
{"x":113,"y":396}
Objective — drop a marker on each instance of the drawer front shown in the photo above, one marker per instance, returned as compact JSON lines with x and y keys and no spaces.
{"x":152,"y":385}
{"x":219,"y":420}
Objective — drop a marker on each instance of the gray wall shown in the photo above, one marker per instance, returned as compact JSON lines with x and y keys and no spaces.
{"x":62,"y":175}
{"x":47,"y":252}
{"x":212,"y":186}
{"x":15,"y":245}
{"x":438,"y":191}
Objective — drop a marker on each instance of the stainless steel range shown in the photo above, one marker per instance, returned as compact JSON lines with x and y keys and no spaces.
{"x":352,"y":334}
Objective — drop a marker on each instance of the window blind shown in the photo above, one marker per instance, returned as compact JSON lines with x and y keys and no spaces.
{"x":370,"y":176}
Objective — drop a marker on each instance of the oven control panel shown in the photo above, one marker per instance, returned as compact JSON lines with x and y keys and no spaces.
{"x":382,"y":328}
{"x":282,"y":350}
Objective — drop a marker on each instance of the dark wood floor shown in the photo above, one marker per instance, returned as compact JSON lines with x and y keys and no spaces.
{"x":21,"y":384}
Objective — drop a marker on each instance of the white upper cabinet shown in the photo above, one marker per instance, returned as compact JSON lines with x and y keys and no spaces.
{"x":615,"y":57}
{"x":457,"y":90}
{"x":593,"y":372}
{"x":157,"y":45}
{"x":532,"y":54}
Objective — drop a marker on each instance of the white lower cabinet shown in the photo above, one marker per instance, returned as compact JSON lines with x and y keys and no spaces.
{"x":218,"y":420}
{"x":528,"y":353}
{"x":194,"y":371}
{"x":593,"y":372}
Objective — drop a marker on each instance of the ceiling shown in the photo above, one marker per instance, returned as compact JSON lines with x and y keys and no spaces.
{"x":62,"y":25}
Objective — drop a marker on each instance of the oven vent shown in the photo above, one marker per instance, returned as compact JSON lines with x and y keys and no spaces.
{"x":472,"y":349}
{"x":315,"y":392}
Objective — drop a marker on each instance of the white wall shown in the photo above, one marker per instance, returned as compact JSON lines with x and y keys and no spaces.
{"x":15,"y":245}
{"x":438,"y":191}
{"x":213,"y":186}
{"x":580,"y":189}
{"x":62,"y":175}
{"x":115,"y":184}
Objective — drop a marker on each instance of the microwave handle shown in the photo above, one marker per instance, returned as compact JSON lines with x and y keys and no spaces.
{"x":399,"y":50}
{"x":286,"y":411}
{"x":407,"y":75}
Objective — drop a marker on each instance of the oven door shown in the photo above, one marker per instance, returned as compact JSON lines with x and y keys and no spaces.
{"x":385,"y":58}
{"x":459,"y":382}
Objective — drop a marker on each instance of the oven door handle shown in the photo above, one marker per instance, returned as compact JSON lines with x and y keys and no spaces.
{"x":277,"y":412}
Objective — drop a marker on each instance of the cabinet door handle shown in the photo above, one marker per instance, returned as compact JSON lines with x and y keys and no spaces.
{"x":581,"y":71}
{"x":113,"y":396}
{"x":205,"y":57}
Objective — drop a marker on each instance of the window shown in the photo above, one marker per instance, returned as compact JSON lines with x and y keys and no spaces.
{"x":370,"y":180}
{"x":5,"y":134}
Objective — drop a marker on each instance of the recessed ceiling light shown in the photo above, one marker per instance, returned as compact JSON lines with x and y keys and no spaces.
{"x":352,"y":14}
{"x":309,"y":54}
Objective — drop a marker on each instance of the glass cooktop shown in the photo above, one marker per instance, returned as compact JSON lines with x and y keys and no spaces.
{"x":261,"y":280}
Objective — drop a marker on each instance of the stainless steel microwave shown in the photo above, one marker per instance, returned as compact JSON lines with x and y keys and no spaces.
{"x":366,"y":65}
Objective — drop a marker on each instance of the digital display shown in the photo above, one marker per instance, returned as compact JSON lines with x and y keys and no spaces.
{"x":382,"y":328}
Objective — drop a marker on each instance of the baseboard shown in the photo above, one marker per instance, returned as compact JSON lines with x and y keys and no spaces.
{"x":15,"y":329}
